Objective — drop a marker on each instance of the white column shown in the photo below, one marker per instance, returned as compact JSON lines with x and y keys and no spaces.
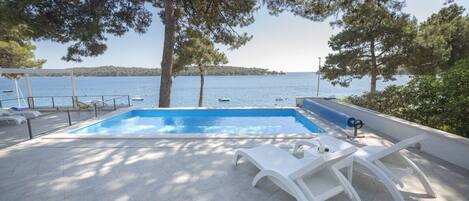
{"x":319,"y":77}
{"x":28,"y":85}
{"x":30,"y":91}
{"x":74,"y":89}
{"x":74,"y":84}
{"x":17,"y":93}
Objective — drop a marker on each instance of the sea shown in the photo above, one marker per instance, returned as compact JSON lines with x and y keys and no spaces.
{"x":264,"y":90}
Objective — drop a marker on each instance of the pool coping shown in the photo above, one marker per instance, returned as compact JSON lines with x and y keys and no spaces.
{"x":328,"y":127}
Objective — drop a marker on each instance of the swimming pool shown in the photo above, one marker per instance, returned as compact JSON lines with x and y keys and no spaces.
{"x":202,"y":122}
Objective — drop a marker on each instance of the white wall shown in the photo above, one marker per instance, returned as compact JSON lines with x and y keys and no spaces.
{"x":444,"y":145}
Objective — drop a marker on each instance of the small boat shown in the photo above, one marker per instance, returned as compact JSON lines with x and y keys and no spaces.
{"x":279,"y":99}
{"x":7,"y":91}
{"x":223,"y":100}
{"x":137,"y":99}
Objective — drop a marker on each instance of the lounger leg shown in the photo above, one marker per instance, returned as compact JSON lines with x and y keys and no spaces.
{"x":237,"y":156}
{"x":422,"y":177}
{"x":287,"y":185}
{"x":352,"y":194}
{"x":388,"y":183}
{"x":350,"y":173}
{"x":257,"y":178}
{"x":389,"y":173}
{"x":346,"y":164}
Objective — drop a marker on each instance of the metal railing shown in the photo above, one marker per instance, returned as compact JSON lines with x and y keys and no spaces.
{"x":58,"y":120}
{"x":70,"y":102}
{"x":57,"y":114}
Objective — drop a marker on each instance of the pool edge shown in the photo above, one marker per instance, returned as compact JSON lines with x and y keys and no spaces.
{"x":328,"y":128}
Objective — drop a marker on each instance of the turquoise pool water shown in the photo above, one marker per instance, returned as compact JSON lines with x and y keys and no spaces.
{"x":206,"y":121}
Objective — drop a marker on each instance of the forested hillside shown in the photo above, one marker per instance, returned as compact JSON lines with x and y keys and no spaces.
{"x":138,"y":71}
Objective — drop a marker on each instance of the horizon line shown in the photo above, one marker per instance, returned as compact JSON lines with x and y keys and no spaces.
{"x":160,"y":68}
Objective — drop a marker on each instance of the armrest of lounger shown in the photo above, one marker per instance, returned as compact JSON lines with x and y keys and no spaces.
{"x":396,"y":147}
{"x":310,"y":143}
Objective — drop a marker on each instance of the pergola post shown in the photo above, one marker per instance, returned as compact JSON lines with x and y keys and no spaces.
{"x":17,"y":87}
{"x":74,"y":89}
{"x":30,"y":91}
{"x":28,"y":71}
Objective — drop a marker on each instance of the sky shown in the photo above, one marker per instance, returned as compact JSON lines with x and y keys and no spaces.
{"x":283,"y":43}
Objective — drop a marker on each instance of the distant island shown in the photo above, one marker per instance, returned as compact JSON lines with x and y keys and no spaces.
{"x":109,"y":71}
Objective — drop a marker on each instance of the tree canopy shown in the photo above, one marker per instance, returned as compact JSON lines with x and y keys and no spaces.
{"x":441,"y":41}
{"x":371,"y":43}
{"x":194,"y":48}
{"x":316,"y":10}
{"x":16,"y":49}
{"x":85,"y":24}
{"x":82,"y":24}
{"x":218,"y":21}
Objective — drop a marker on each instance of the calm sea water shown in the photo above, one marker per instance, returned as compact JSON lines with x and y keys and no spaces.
{"x":241,"y":90}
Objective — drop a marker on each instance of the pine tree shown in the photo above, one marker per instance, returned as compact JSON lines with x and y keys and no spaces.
{"x":217,"y":20}
{"x":195,"y":48}
{"x":442,"y":40}
{"x":16,"y":50}
{"x":371,"y":43}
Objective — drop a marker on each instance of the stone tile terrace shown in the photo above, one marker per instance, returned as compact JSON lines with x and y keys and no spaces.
{"x":178,"y":169}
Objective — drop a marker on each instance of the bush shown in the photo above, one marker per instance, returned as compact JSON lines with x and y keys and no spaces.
{"x":440,"y":101}
{"x":455,"y":93}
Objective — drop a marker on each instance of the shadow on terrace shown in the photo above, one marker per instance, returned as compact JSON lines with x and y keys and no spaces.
{"x":169,"y":169}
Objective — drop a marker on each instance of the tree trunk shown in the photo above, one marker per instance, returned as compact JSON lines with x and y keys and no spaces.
{"x":374,"y":67}
{"x":168,"y":50}
{"x":201,"y":92}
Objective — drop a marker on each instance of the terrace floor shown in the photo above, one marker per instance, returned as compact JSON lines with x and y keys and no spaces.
{"x":178,"y":169}
{"x":47,"y":122}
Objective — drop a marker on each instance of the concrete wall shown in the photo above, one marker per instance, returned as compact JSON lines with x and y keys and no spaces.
{"x":444,"y":145}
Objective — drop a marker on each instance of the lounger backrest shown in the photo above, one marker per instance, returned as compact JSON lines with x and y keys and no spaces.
{"x":322,"y":162}
{"x":397,"y":147}
{"x":82,"y":105}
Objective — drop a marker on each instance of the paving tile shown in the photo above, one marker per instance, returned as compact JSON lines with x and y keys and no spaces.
{"x":175,"y":170}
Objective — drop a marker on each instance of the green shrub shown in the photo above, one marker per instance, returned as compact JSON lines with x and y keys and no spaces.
{"x":455,"y":93}
{"x":440,"y":101}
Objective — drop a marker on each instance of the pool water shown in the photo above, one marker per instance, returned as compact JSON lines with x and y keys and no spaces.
{"x":203,"y":121}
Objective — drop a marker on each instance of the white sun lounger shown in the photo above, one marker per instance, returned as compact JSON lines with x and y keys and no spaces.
{"x":13,"y":119}
{"x":307,"y":179}
{"x":388,"y":164}
{"x":26,"y":113}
